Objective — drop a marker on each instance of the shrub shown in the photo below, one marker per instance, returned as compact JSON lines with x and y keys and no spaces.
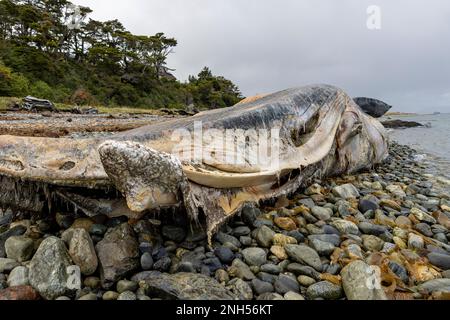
{"x":41,"y":89}
{"x":82,"y":97}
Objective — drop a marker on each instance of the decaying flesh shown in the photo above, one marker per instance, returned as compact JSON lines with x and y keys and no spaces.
{"x":322,"y":133}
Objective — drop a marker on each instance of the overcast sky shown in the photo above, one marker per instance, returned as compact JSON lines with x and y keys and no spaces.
{"x":269,"y":45}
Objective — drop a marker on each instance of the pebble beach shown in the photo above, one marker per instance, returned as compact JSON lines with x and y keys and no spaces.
{"x":381,"y":234}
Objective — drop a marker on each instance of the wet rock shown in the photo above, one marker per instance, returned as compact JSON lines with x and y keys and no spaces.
{"x":403,"y":222}
{"x":174,"y":233}
{"x":424,"y":229}
{"x":48,"y":269}
{"x":264,"y":236}
{"x":270,"y":296}
{"x":346,"y":191}
{"x":372,"y":243}
{"x":7,"y":265}
{"x":271,"y":268}
{"x":305,"y":281}
{"x":391,"y":204}
{"x":185,"y":286}
{"x":213,"y":264}
{"x":18,"y":277}
{"x":92,"y":282}
{"x":163,"y":264}
{"x":282,"y":240}
{"x":127,"y":296}
{"x":98,"y":230}
{"x":345,"y":227}
{"x":250,"y":214}
{"x":366,"y":205}
{"x":246,"y":241}
{"x":439,"y":260}
{"x":81,"y":250}
{"x":88,"y":297}
{"x":373,"y":107}
{"x":293,"y":296}
{"x":396,"y":190}
{"x":185,"y":266}
{"x":223,"y":238}
{"x":321,"y":213}
{"x":325,"y":290}
{"x":415,"y":241}
{"x":240,"y":270}
{"x":331,"y":238}
{"x":314,"y":189}
{"x":279,"y":252}
{"x":240,"y":289}
{"x":254,"y":256}
{"x":224,"y":254}
{"x":118,"y":254}
{"x":322,"y":248}
{"x":355,"y":277}
{"x":285,"y":284}
{"x":400,"y":271}
{"x":222,"y":276}
{"x":435,"y":285}
{"x":82,"y":223}
{"x":241,"y":231}
{"x":64,"y":220}
{"x":422,"y":216}
{"x":19,"y":248}
{"x":146,"y":261}
{"x":285,"y":223}
{"x":308,"y":202}
{"x":304,"y":254}
{"x":22,"y":293}
{"x":297,"y":235}
{"x":126,"y":285}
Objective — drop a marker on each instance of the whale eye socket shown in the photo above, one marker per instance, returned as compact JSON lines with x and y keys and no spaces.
{"x":69,"y":165}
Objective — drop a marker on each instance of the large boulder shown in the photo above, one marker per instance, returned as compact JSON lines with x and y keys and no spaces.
{"x":118,"y":254}
{"x":373,"y":107}
{"x":48,"y":269}
{"x":185,"y":286}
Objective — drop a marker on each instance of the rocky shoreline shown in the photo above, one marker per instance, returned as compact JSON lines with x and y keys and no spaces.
{"x":337,"y":239}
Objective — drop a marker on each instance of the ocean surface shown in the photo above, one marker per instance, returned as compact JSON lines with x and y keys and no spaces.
{"x":432,"y":141}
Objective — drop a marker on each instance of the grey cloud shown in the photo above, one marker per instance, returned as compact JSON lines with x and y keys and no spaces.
{"x":268,"y":45}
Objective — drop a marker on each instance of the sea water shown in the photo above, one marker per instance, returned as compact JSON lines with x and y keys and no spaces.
{"x":431,"y":141}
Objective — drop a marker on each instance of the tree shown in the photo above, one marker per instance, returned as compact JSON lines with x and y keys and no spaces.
{"x":213,"y":92}
{"x":45,"y":53}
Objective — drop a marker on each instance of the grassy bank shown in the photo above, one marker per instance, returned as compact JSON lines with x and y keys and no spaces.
{"x":7,"y":101}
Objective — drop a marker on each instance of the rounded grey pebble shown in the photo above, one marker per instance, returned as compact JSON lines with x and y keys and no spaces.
{"x":286,"y":283}
{"x":126,"y":285}
{"x":146,"y":261}
{"x":127,"y":295}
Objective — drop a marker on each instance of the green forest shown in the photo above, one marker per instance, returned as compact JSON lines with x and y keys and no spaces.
{"x":51,"y":49}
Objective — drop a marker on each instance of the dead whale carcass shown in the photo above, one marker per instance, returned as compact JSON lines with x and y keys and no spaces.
{"x":215,"y":162}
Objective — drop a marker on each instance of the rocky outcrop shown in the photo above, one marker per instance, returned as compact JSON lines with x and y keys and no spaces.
{"x":397,"y":124}
{"x":373,"y":107}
